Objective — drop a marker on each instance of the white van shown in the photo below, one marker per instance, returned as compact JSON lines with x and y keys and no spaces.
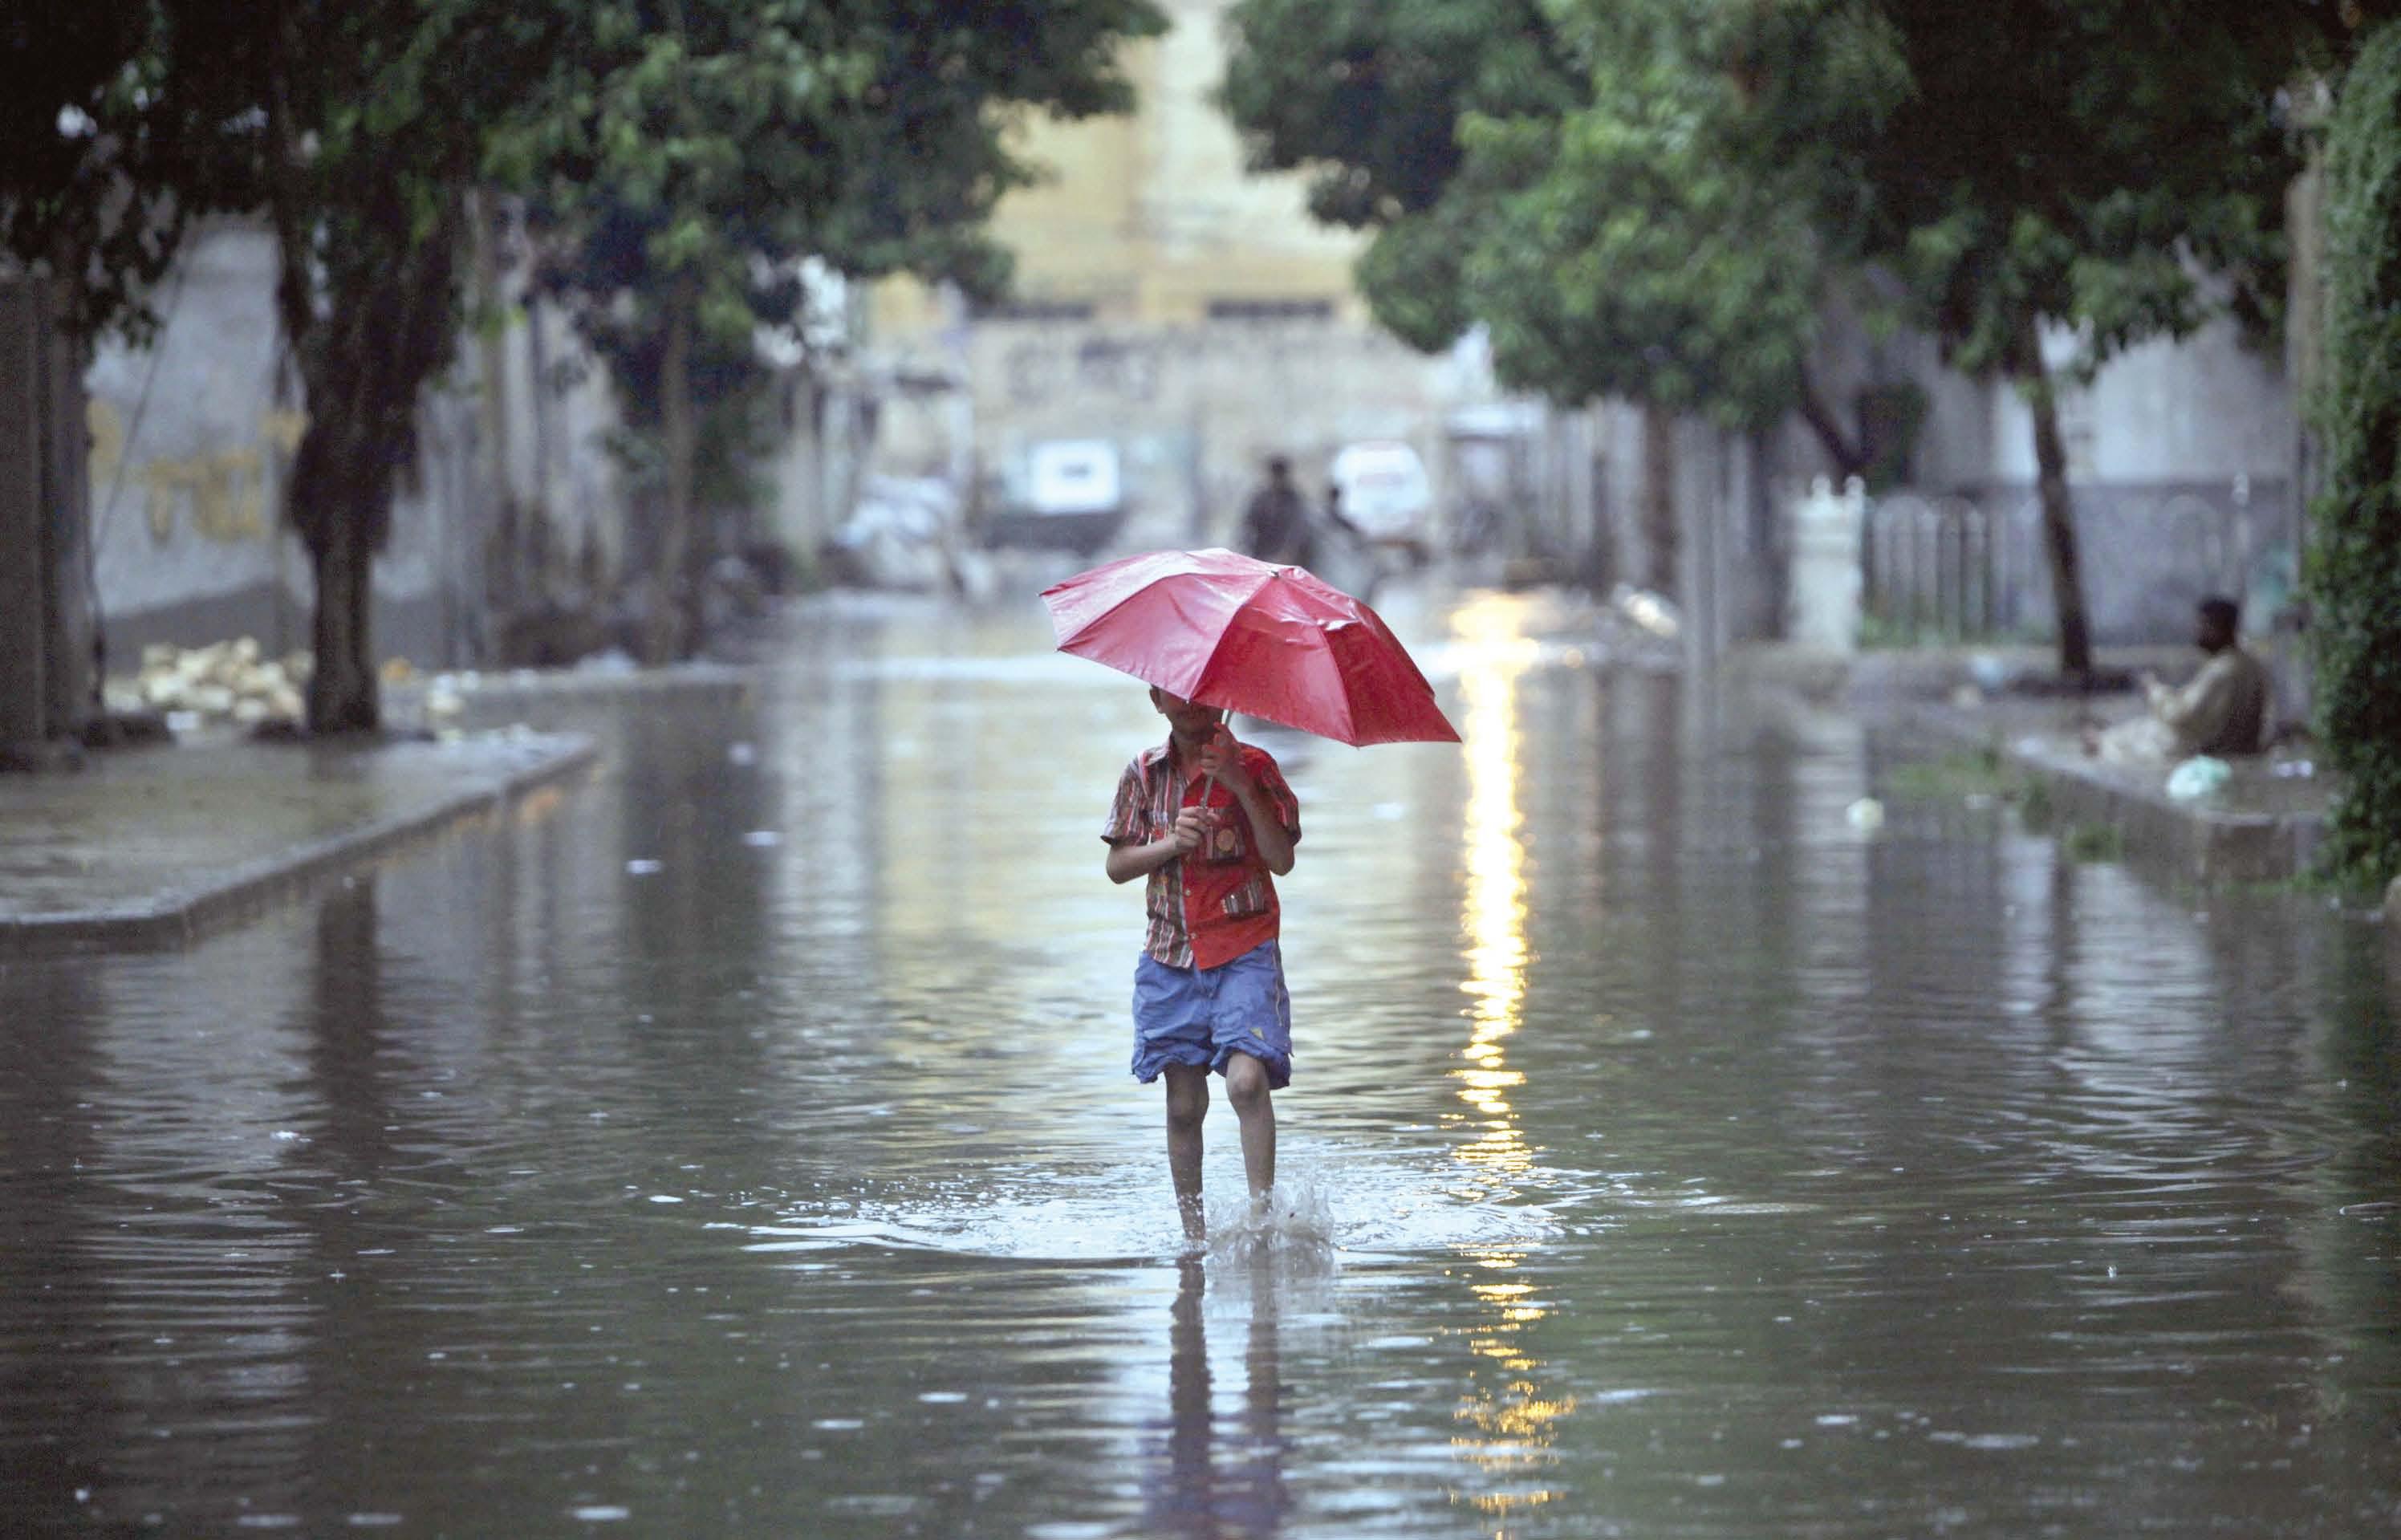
{"x":1386,"y":494}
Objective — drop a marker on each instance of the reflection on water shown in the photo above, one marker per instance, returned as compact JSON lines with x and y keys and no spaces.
{"x":1511,"y":1420}
{"x":741,"y":1143}
{"x":1221,"y":1475}
{"x":1492,"y":652}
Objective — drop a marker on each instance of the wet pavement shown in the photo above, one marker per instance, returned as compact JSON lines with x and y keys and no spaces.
{"x":739,"y":1142}
{"x":150,"y":843}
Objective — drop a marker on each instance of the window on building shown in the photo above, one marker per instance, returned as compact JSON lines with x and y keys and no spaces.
{"x":1271,"y":309}
{"x":1053,"y":310}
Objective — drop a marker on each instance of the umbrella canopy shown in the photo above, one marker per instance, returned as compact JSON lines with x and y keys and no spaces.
{"x":1225,"y":630}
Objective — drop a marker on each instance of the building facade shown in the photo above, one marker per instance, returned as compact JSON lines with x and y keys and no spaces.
{"x":1188,"y":313}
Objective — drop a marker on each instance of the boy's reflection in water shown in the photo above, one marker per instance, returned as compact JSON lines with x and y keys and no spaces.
{"x":1218,"y":1482}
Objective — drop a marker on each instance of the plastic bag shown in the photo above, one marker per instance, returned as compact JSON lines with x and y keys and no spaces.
{"x":2199,"y":776}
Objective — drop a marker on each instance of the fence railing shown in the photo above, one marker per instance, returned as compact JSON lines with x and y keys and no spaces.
{"x":1969,"y":564}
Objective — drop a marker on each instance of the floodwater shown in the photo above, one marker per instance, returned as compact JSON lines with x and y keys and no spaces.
{"x":741,"y":1143}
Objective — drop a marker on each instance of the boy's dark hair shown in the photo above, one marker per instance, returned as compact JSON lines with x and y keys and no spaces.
{"x":2222,"y":612}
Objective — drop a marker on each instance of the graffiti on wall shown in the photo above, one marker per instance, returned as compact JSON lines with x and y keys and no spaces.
{"x":223,"y":494}
{"x":1037,"y":371}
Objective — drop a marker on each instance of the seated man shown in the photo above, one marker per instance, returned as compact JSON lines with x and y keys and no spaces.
{"x":2224,"y":710}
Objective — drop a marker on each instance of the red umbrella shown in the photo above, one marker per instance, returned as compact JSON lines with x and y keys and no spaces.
{"x":1270,"y":642}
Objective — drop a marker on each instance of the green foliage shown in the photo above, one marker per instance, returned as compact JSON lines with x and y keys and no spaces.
{"x":2093,"y":843}
{"x":2353,"y":569}
{"x":706,"y":147}
{"x":124,"y":120}
{"x":2115,"y":167}
{"x":686,"y":153}
{"x":1669,"y":223}
{"x":1547,"y":170}
{"x":1652,"y":197}
{"x":1369,"y":96}
{"x":685,"y":162}
{"x":1368,"y":93}
{"x":1682,"y":287}
{"x":1962,"y":773}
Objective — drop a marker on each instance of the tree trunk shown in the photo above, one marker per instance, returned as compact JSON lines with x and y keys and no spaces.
{"x":342,"y":693}
{"x":1848,"y":456}
{"x":1659,"y":532}
{"x":669,"y":620}
{"x":2058,"y":510}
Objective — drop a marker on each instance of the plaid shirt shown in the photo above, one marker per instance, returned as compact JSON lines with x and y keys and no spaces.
{"x":1208,"y":908}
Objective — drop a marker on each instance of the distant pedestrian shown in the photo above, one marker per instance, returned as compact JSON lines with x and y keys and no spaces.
{"x":2226,"y":708}
{"x":1210,"y":822}
{"x":1335,"y":518}
{"x":1276,"y":525}
{"x":1345,"y":557}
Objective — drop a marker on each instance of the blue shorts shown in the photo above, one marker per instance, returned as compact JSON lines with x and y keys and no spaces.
{"x":1202,"y":1016}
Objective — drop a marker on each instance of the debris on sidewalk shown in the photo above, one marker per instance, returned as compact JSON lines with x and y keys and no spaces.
{"x":225,"y":681}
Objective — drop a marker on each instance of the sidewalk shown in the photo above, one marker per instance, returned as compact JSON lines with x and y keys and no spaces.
{"x":2262,"y":826}
{"x":156,"y":846}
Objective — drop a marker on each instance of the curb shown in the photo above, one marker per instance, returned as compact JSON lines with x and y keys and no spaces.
{"x":500,"y":684}
{"x":180,"y":917}
{"x":2194,"y":841}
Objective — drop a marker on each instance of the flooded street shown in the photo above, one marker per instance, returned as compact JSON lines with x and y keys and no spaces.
{"x":741,"y":1142}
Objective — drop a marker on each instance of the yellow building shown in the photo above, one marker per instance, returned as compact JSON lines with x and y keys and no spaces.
{"x":1149,"y":217}
{"x":1168,"y":303}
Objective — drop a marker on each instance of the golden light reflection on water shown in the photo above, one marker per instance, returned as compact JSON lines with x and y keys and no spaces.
{"x":1508,"y":1421}
{"x":1493,"y":651}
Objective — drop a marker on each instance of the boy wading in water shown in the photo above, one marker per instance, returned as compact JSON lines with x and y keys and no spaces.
{"x":1210,"y":822}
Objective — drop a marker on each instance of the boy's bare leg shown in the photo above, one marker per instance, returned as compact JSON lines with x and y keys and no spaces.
{"x":1188,"y":1103}
{"x":1246,"y":1087}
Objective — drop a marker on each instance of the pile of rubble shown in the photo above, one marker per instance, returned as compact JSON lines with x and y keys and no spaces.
{"x":225,"y":681}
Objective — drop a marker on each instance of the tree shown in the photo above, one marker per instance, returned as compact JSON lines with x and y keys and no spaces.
{"x":730,"y":140}
{"x":1544,"y":171}
{"x":380,"y":116}
{"x":124,"y":120}
{"x":353,"y":125}
{"x":2353,"y":573}
{"x":696,"y":154}
{"x":1630,"y":253}
{"x":2111,"y":171}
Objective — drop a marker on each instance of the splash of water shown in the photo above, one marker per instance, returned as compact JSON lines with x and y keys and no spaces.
{"x":1391,"y":1206}
{"x":1295,"y":1218}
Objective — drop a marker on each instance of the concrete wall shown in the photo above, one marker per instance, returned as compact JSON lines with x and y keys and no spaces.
{"x":2210,"y":407}
{"x":190,"y":445}
{"x":192,"y":438}
{"x":2184,"y":460}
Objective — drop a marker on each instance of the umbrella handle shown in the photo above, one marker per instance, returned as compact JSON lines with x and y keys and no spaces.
{"x":1207,"y":787}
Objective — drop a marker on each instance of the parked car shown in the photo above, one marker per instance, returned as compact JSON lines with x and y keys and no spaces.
{"x":1387,"y":496}
{"x":1071,"y":496}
